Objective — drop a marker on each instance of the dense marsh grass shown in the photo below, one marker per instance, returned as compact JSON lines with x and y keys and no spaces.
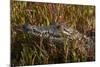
{"x":28,"y":50}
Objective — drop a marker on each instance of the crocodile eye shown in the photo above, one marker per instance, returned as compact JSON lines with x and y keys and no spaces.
{"x":34,"y":30}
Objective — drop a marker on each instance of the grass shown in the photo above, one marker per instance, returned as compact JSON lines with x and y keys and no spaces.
{"x":28,"y":50}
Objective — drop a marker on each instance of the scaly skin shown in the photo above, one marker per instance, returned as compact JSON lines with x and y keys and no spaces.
{"x":53,"y":31}
{"x":56,"y":32}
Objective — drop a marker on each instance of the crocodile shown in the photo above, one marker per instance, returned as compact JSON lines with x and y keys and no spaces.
{"x":51,"y":31}
{"x":56,"y":33}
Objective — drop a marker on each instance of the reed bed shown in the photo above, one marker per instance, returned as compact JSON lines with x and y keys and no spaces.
{"x":28,"y":50}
